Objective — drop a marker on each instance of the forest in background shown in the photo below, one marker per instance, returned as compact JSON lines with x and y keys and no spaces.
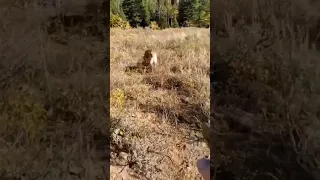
{"x":160,"y":13}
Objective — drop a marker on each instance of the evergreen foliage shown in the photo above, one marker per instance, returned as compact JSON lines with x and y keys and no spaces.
{"x":166,"y":13}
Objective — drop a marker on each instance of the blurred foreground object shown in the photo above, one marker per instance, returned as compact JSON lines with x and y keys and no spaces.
{"x":206,"y":132}
{"x":203,"y":166}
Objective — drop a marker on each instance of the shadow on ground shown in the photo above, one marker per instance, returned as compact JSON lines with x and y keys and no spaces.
{"x":135,"y":69}
{"x":185,"y":110}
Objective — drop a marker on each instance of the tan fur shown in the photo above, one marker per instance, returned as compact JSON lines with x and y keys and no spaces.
{"x":150,"y":60}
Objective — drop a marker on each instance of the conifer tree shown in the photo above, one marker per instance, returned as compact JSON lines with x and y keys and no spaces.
{"x":145,"y":12}
{"x":186,"y":12}
{"x":116,"y":8}
{"x":133,"y":11}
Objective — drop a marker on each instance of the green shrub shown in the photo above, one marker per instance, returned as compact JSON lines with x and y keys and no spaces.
{"x":154,"y":25}
{"x":117,"y":98}
{"x":23,"y":114}
{"x":117,"y":22}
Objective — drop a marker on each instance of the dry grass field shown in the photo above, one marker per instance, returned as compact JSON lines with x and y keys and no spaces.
{"x":160,"y":112}
{"x":266,"y":89}
{"x":53,"y":97}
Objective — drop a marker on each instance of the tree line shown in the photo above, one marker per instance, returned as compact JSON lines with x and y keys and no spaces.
{"x":166,"y":13}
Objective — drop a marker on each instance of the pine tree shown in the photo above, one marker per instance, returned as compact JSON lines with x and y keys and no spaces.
{"x":205,"y":13}
{"x":133,"y":11}
{"x":196,"y":14}
{"x":152,"y":6}
{"x":186,"y":12}
{"x":162,"y":13}
{"x":202,"y":14}
{"x":173,"y":12}
{"x":175,"y":23}
{"x":116,"y":8}
{"x":146,"y":15}
{"x":163,"y":19}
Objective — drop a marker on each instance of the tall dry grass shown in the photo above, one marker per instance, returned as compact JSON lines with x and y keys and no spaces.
{"x":53,"y":94}
{"x":266,"y":84}
{"x":159,"y":112}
